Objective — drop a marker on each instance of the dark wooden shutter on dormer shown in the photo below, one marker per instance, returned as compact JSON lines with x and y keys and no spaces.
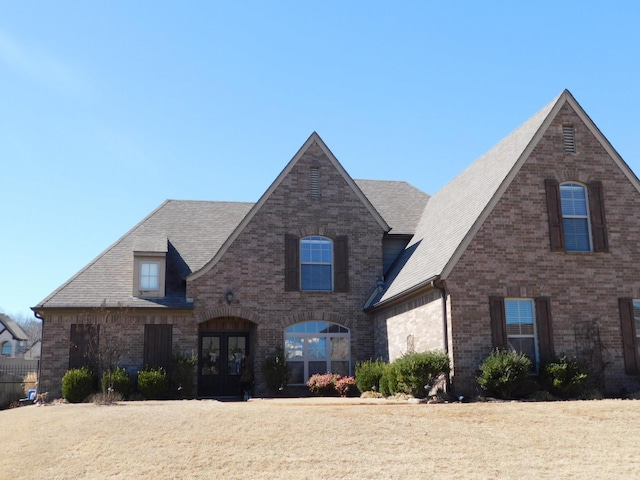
{"x":341,"y":259}
{"x":598,"y":221}
{"x":629,"y":340}
{"x":291,"y":263}
{"x":554,"y":212}
{"x":544,"y":328}
{"x":498,"y":322}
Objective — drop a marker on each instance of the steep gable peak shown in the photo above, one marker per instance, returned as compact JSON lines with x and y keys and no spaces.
{"x":314,"y":139}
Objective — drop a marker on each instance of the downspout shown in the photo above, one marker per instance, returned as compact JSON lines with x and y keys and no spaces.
{"x":445,"y":329}
{"x":41,"y":318}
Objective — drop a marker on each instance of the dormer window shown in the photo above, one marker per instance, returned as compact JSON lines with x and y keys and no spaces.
{"x":149,"y":273}
{"x":149,"y":276}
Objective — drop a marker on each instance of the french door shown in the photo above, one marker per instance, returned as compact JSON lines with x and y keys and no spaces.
{"x":223,"y":358}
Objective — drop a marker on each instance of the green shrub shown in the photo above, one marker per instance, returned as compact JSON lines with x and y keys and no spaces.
{"x":183,"y":370}
{"x":505,"y":374}
{"x":564,"y":378}
{"x":78,"y":384}
{"x":389,"y":380}
{"x":368,"y":375}
{"x":276,"y":371}
{"x":416,"y":371}
{"x":153,"y":383}
{"x":116,"y":380}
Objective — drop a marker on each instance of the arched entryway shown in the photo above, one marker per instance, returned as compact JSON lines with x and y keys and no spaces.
{"x":225,"y":367}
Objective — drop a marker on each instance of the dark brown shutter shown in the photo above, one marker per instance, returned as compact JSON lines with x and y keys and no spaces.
{"x":544,"y":328}
{"x":291,"y":263}
{"x":628,"y":330}
{"x":341,"y":258}
{"x":83,"y":346}
{"x":498,"y":322}
{"x":554,"y":211}
{"x":598,"y":221}
{"x":157,"y":346}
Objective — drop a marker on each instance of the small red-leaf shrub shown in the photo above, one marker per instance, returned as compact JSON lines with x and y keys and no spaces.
{"x":323,"y":383}
{"x":327,"y":384}
{"x":344,"y":385}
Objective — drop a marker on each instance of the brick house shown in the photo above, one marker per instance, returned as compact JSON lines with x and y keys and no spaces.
{"x":532,"y":247}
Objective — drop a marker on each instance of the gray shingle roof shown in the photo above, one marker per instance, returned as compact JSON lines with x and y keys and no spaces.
{"x":399,"y":203}
{"x":194,"y":230}
{"x":452,"y":212}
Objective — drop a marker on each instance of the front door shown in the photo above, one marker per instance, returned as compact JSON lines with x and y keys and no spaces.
{"x":223,"y":359}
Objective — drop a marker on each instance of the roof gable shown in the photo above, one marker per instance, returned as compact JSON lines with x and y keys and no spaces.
{"x":454,"y":214}
{"x":314,"y":138}
{"x":14,"y":329}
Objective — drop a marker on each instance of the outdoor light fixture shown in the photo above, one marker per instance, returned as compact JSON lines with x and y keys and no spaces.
{"x":229,"y":297}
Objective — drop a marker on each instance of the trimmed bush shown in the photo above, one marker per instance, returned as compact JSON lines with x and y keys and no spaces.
{"x":368,"y":375}
{"x":564,"y":378}
{"x":78,"y":384}
{"x":153,"y":383}
{"x":389,"y":380}
{"x":417,"y":371}
{"x":276,"y":371}
{"x":505,"y":374}
{"x":119,"y":380}
{"x":323,"y":383}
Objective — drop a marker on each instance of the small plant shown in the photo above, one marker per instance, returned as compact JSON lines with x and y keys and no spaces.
{"x":153,"y":383}
{"x":78,"y":384}
{"x":276,"y":371}
{"x":368,"y":375}
{"x":183,"y":369}
{"x":116,"y":381}
{"x":505,"y":374}
{"x":564,"y":378}
{"x":417,"y":371}
{"x":323,"y":383}
{"x":345,"y":385}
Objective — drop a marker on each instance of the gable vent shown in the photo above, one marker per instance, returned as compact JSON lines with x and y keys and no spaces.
{"x":314,"y":183}
{"x":569,"y":138}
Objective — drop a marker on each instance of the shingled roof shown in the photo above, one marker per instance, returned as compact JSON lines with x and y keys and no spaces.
{"x":455,"y":213}
{"x":191,"y":233}
{"x":16,"y":330}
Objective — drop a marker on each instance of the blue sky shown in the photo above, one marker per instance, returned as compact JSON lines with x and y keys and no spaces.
{"x":107,"y":109}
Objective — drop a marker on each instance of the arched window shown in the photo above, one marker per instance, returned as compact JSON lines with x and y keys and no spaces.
{"x":575,"y":217}
{"x":317,"y":347}
{"x":316,"y":264}
{"x":6,"y":349}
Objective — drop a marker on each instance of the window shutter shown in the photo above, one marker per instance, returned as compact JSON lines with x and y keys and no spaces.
{"x":628,"y":330}
{"x":157,"y":346}
{"x":598,"y":222}
{"x":498,"y":325}
{"x":291,"y":263}
{"x":544,"y":328}
{"x":341,"y":259}
{"x":554,"y":212}
{"x":83,"y":346}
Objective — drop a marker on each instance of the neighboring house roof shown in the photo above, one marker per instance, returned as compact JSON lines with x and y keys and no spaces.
{"x":14,"y":329}
{"x":455,"y":213}
{"x":193,"y":234}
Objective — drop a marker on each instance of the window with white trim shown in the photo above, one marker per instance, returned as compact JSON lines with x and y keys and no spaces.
{"x":521,"y":327}
{"x":317,"y":347}
{"x":575,"y":217}
{"x":316,"y":264}
{"x":149,"y":275}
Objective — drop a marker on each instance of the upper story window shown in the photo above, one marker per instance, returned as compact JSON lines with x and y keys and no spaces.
{"x":149,"y":274}
{"x":6,"y":349}
{"x":316,"y":264}
{"x":575,"y":217}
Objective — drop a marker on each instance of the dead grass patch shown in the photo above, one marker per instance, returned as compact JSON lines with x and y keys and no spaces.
{"x":322,"y":438}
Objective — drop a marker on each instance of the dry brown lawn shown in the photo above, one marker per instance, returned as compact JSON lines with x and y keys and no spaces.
{"x":322,"y":439}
